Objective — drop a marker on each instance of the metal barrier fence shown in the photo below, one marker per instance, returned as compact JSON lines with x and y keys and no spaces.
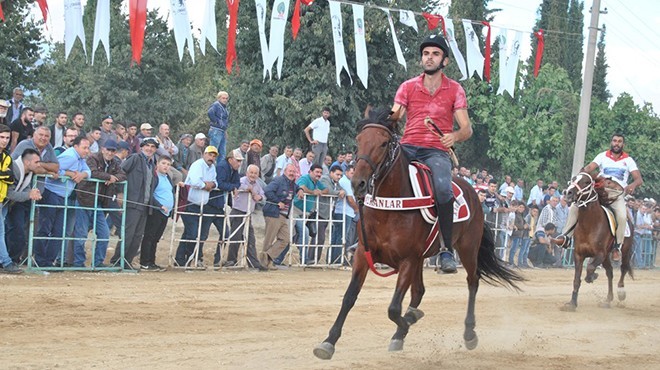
{"x":69,"y":206}
{"x":645,"y":248}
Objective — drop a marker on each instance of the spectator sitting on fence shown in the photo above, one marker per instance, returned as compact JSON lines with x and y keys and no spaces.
{"x":105,"y":167}
{"x":228,"y":181}
{"x":57,"y":193}
{"x":541,"y":252}
{"x":279,"y":196}
{"x":139,"y":176}
{"x":249,"y":193}
{"x":201,"y":179}
{"x":6,"y":179}
{"x":160,"y":209}
{"x":20,"y":195}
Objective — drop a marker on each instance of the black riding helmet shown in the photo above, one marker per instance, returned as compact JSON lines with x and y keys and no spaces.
{"x":437,"y":41}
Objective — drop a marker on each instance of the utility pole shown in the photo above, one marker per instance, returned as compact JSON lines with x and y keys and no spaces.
{"x":585,"y":98}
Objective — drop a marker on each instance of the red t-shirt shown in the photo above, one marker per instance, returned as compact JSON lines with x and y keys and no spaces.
{"x":419,"y":104}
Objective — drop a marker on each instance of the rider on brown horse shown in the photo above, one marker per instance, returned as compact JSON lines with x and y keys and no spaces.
{"x":434,"y":95}
{"x":618,"y":166}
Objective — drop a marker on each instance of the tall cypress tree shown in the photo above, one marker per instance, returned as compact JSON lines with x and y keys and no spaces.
{"x":572,"y":53}
{"x":599,"y":90}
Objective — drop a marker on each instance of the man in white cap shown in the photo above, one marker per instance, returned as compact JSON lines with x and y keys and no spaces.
{"x":4,"y":107}
{"x":145,"y":131}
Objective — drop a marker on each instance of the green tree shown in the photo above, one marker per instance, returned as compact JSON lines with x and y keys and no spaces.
{"x":599,"y":90}
{"x":20,"y":39}
{"x":573,"y":43}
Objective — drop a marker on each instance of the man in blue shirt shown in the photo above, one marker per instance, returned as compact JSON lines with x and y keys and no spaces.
{"x":73,"y":170}
{"x":219,"y":116}
{"x":201,"y":180}
{"x":228,"y":180}
{"x":346,"y":209}
{"x":310,"y":185}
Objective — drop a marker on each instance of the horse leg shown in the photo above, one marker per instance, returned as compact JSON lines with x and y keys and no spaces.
{"x":469,"y":335}
{"x":572,"y":305}
{"x":326,"y":349}
{"x":607,"y":265}
{"x":591,"y":268}
{"x":414,"y":314}
{"x":626,"y":268}
{"x":407,"y":273}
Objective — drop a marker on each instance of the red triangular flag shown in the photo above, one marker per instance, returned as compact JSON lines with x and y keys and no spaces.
{"x":539,"y":51}
{"x":137,"y":10}
{"x":295,"y":20}
{"x":432,"y":20}
{"x":2,"y":15}
{"x":487,"y":52}
{"x":307,"y":2}
{"x":43,"y":5}
{"x":232,"y":5}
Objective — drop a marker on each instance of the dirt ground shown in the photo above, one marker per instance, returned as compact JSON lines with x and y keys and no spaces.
{"x":247,"y":320}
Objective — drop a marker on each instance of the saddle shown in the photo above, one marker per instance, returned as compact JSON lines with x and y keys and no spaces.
{"x":420,"y":179}
{"x":611,"y":221}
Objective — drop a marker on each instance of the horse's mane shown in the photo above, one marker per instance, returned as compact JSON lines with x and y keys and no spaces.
{"x":379,"y":116}
{"x":599,"y":185}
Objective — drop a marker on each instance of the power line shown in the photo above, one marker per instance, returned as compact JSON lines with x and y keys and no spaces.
{"x":637,"y":29}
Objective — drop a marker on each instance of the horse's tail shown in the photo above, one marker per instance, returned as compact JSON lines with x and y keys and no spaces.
{"x":491,"y":268}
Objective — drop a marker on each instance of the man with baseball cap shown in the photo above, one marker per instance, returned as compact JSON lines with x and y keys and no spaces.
{"x":145,"y":131}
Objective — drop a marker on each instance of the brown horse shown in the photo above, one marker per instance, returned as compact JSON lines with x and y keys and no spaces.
{"x":592,"y":236}
{"x":397,"y":238}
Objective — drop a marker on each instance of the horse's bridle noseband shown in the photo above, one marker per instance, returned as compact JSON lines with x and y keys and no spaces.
{"x":587,"y":191}
{"x":380,"y":170}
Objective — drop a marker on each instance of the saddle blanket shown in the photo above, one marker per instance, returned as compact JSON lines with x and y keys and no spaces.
{"x":611,"y":220}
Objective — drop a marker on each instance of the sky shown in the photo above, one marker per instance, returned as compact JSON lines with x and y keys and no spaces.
{"x":632,"y":38}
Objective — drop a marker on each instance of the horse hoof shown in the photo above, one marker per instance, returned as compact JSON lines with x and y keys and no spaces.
{"x":621,"y":294}
{"x":604,"y":304}
{"x":568,"y":307}
{"x":472,"y":343}
{"x":395,"y":345}
{"x":324,"y":351}
{"x":413,"y":315}
{"x":590,"y":278}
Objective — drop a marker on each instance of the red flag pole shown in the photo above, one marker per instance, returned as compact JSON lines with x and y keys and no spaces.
{"x":487,"y":52}
{"x":539,"y":51}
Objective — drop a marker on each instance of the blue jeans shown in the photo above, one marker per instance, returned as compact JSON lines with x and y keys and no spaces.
{"x":190,"y":227}
{"x":337,"y":232}
{"x":84,"y":222}
{"x":218,"y":139}
{"x":5,"y":260}
{"x":51,"y":226}
{"x":18,"y":226}
{"x":516,"y":242}
{"x":524,"y":252}
{"x":440,"y":164}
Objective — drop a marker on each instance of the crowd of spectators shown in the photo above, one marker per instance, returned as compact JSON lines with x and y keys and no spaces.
{"x":107,"y":164}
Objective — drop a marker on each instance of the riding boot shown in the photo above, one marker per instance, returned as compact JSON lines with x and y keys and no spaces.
{"x":446,"y":220}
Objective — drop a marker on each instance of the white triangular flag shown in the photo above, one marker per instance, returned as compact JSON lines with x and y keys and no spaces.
{"x":361,"y":60}
{"x":456,"y":52}
{"x":181,"y":27}
{"x":261,"y":22}
{"x":475,"y":60}
{"x":395,"y":40}
{"x":407,"y":17}
{"x":338,"y":41}
{"x":509,"y":57}
{"x":278,"y":19}
{"x":209,"y":31}
{"x":102,"y":28}
{"x":73,"y":26}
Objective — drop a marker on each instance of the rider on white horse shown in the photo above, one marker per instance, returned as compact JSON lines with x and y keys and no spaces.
{"x":618,"y":166}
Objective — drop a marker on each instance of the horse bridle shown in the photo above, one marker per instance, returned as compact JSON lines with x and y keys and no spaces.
{"x":381,"y":169}
{"x":587,"y":191}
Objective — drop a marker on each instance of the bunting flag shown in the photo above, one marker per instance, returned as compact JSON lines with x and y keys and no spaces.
{"x":475,"y":61}
{"x":361,"y":60}
{"x":43,"y":5}
{"x":278,"y":18}
{"x":487,"y":52}
{"x":295,"y":19}
{"x":502,"y":40}
{"x":395,"y":40}
{"x":232,"y":5}
{"x":456,"y":52}
{"x":137,"y":12}
{"x":338,"y":41}
{"x":407,"y":17}
{"x":209,"y":31}
{"x":73,"y":26}
{"x":539,"y":51}
{"x":181,"y":28}
{"x":102,"y":28}
{"x":432,"y":20}
{"x":509,"y":56}
{"x":260,"y":6}
{"x":2,"y":14}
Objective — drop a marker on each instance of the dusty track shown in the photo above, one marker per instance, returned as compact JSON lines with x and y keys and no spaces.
{"x":270,"y":320}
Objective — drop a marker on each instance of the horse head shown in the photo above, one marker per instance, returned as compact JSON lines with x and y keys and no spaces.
{"x":377,"y":147}
{"x":580,"y":189}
